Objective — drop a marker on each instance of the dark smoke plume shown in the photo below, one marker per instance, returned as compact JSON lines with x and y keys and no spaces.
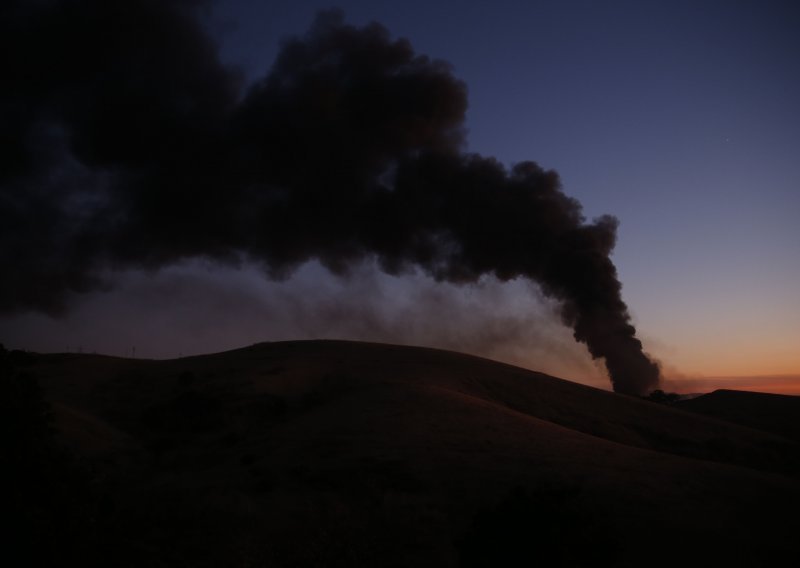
{"x":126,"y":143}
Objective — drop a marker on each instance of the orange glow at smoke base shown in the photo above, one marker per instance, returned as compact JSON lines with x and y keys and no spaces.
{"x":777,"y":384}
{"x":754,"y":360}
{"x":712,"y":345}
{"x":765,"y":379}
{"x":766,"y":367}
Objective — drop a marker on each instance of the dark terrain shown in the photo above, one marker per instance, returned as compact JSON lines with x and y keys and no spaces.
{"x":775,"y":413}
{"x":331,"y":453}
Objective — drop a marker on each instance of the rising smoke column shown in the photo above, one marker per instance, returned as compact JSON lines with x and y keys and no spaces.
{"x":121,"y":153}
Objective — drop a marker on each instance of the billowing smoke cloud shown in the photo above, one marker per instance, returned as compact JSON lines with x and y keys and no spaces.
{"x":130,"y":145}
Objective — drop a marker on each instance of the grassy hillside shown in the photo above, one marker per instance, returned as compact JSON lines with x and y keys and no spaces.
{"x":330,"y":453}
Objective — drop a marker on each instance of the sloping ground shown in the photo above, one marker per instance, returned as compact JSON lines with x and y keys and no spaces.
{"x":776,"y":413}
{"x":350,"y":454}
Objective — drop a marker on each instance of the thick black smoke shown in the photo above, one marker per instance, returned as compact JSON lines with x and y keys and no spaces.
{"x":126,"y":143}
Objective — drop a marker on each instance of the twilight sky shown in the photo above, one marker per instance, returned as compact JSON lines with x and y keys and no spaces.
{"x":677,"y":117}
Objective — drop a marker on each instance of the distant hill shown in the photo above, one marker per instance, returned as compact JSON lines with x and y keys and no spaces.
{"x":775,"y":413}
{"x":334,"y":453}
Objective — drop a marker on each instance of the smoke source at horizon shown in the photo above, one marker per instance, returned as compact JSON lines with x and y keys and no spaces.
{"x":121,"y":153}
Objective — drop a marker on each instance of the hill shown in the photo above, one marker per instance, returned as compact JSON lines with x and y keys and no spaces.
{"x":332,"y":453}
{"x":777,"y":413}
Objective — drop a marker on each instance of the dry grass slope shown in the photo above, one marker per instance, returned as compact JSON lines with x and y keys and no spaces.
{"x":331,"y":453}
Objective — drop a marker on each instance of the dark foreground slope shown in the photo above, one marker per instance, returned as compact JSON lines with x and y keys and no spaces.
{"x":349,"y":454}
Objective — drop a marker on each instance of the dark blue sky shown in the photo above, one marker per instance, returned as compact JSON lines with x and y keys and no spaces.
{"x":678,"y":117}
